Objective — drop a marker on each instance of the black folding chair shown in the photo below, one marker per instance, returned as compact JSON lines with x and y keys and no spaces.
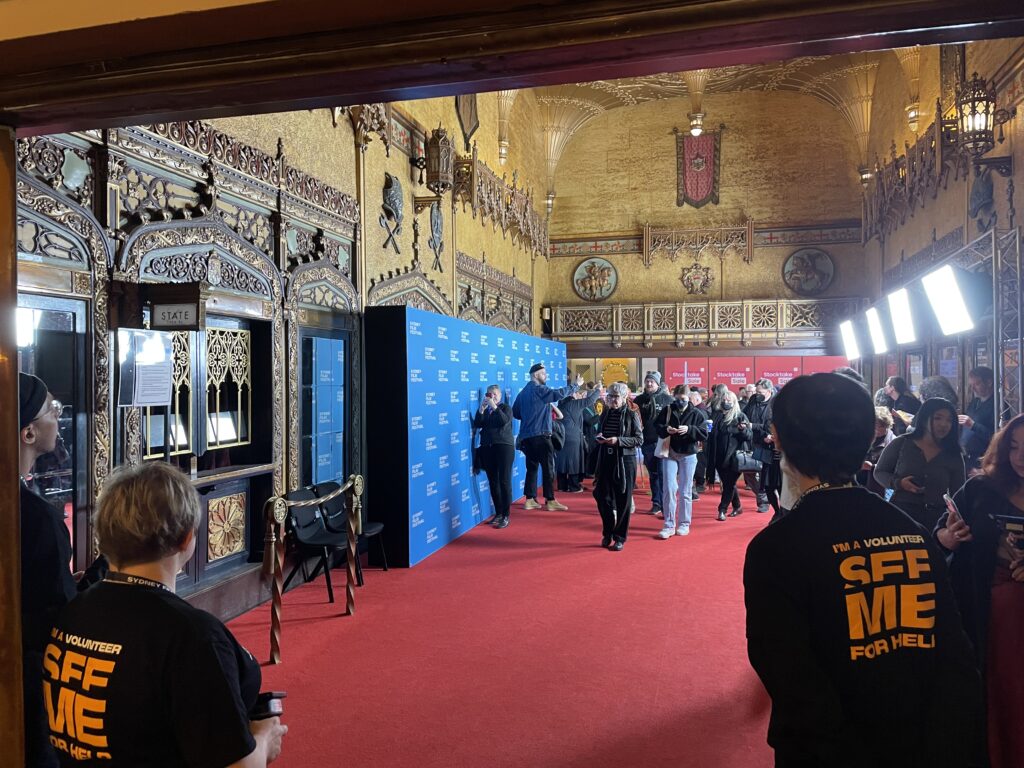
{"x":336,"y":521}
{"x":310,"y":537}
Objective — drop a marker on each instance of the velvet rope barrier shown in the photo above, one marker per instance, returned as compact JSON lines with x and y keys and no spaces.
{"x":276,"y":512}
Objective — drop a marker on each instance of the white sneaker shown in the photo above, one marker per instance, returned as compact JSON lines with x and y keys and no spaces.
{"x":665,"y":533}
{"x":683,"y":531}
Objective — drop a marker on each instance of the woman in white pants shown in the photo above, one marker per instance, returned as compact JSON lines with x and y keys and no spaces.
{"x":685,"y":427}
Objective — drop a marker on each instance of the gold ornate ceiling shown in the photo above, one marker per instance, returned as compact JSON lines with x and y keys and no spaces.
{"x":845,"y":82}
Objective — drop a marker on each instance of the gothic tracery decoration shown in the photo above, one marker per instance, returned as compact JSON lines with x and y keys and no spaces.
{"x":392,"y":210}
{"x":436,"y":241}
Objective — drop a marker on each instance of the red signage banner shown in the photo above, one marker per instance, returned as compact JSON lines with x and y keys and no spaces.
{"x":732,"y":371}
{"x":686,"y":370}
{"x":825,"y":364}
{"x":780,"y":370}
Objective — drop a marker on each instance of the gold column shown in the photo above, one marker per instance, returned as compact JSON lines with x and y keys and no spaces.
{"x":362,"y":278}
{"x":12,"y":729}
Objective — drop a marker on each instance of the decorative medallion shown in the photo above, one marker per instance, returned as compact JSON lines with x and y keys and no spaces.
{"x":226,"y":522}
{"x":595,"y":279}
{"x":696,"y":278}
{"x":392,"y":210}
{"x":808,"y":271}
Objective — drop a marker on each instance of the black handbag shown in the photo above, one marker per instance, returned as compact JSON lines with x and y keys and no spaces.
{"x":745,"y":462}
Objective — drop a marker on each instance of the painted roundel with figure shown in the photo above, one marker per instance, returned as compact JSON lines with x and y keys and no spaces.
{"x":595,"y":279}
{"x":808,"y":271}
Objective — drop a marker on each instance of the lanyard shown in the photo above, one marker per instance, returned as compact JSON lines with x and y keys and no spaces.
{"x":818,"y":487}
{"x":126,"y":578}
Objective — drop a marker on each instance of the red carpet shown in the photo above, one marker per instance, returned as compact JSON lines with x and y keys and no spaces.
{"x":530,"y":646}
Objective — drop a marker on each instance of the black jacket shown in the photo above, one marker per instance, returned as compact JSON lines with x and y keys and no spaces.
{"x":677,"y":416}
{"x":725,"y":440}
{"x":972,"y":565}
{"x":853,"y":629}
{"x":976,"y":439}
{"x":650,"y":407}
{"x":610,"y":457}
{"x":495,"y":426}
{"x":759,"y":412}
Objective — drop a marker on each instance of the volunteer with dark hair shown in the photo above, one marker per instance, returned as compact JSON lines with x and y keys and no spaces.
{"x":619,"y":435}
{"x":923,"y":464}
{"x":759,"y":411}
{"x":46,"y":580}
{"x":497,"y":451}
{"x":729,"y":432}
{"x":155,"y":682}
{"x":533,"y":408}
{"x":851,"y":622}
{"x":571,"y":460}
{"x":686,"y":428}
{"x":986,"y":570}
{"x":883,"y":436}
{"x":651,"y":402}
{"x":979,"y":420}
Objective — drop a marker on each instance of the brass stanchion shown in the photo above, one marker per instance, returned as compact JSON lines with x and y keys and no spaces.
{"x":355,"y":526}
{"x":273,"y":542}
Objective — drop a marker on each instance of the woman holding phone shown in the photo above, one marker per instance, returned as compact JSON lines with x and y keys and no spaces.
{"x":497,"y":451}
{"x":620,"y":433}
{"x":986,"y":571}
{"x":925,"y":463}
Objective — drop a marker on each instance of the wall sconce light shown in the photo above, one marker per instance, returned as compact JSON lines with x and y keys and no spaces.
{"x":976,"y":120}
{"x":549,"y":202}
{"x":913,"y":115}
{"x":503,"y":151}
{"x":865,"y":175}
{"x":696,"y":123}
{"x":439,"y":164}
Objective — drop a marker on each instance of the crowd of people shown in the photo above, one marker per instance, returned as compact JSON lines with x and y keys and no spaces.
{"x":885,"y":598}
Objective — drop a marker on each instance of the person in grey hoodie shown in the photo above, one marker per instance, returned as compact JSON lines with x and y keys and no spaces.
{"x":532,"y":409}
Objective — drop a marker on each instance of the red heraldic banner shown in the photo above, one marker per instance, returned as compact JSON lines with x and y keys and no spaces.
{"x":732,"y":371}
{"x":697,"y":160}
{"x":781,"y":370}
{"x":686,"y":370}
{"x":825,"y":364}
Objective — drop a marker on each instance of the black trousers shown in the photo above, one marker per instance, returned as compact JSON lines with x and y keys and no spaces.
{"x":700,"y":473}
{"x":497,"y":463}
{"x":613,"y":503}
{"x":729,"y":493}
{"x":569,"y":481}
{"x":539,"y":452}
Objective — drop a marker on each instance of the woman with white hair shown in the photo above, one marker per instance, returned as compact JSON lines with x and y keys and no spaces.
{"x":154,"y":681}
{"x":729,"y":432}
{"x":620,"y":433}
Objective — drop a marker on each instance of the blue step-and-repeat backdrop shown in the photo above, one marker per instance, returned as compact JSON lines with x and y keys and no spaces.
{"x":451,"y":363}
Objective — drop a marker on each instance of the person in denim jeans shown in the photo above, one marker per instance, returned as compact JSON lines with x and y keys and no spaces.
{"x":651,"y":402}
{"x":685,"y":426}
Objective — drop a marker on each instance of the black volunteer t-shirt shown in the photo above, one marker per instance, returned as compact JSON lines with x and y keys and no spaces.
{"x":135,"y":676}
{"x":852,"y":628}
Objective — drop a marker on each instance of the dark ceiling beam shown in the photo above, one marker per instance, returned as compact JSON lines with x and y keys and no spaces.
{"x":227,"y":62}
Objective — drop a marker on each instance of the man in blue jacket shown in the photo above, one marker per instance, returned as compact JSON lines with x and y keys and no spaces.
{"x":532,"y":408}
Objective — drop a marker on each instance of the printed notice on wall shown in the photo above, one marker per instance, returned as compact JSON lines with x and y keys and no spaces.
{"x":152,"y":370}
{"x":146,"y":364}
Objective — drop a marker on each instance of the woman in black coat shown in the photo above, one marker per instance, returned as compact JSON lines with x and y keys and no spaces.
{"x":570,"y":463}
{"x":619,"y":435}
{"x":497,"y":451}
{"x":759,"y":411}
{"x":986,"y":571}
{"x":730,"y":431}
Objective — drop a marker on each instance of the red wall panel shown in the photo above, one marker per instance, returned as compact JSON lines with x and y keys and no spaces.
{"x":825,"y":364}
{"x":779,"y":369}
{"x":686,"y":370}
{"x":732,"y":371}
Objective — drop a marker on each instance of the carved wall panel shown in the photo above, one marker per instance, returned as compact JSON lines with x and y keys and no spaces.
{"x":488,"y":295}
{"x":226,"y":526}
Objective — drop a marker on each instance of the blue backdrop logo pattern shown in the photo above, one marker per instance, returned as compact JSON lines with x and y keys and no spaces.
{"x":451,"y":363}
